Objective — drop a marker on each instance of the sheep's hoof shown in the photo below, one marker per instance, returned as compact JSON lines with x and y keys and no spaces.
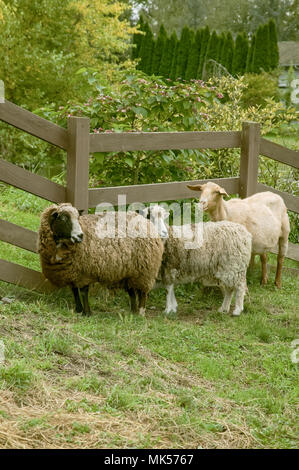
{"x":222,"y":310}
{"x":142,"y":311}
{"x":236,"y":313}
{"x":170,"y":313}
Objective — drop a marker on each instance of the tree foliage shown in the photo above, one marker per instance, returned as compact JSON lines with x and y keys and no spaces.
{"x":260,"y":58}
{"x":44,"y":42}
{"x":273,"y":46}
{"x":167,"y":55}
{"x":232,"y":15}
{"x":204,"y":52}
{"x":146,"y":50}
{"x":193,"y":57}
{"x":240,"y":55}
{"x":158,"y":50}
{"x":183,"y":52}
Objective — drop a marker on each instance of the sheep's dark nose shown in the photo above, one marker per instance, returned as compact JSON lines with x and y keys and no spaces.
{"x":77,"y":238}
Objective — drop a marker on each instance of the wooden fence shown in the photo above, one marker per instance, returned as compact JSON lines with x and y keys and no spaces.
{"x":78,"y":142}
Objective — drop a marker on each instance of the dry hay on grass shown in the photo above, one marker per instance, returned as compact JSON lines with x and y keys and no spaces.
{"x":43,"y":421}
{"x":41,"y":418}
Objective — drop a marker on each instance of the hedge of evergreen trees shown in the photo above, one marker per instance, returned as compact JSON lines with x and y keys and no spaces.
{"x":188,"y":56}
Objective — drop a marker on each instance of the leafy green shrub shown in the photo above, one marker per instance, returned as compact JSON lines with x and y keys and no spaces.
{"x":146,"y":104}
{"x":259,"y":88}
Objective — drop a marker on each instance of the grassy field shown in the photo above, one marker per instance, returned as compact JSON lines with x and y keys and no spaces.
{"x":200,"y":380}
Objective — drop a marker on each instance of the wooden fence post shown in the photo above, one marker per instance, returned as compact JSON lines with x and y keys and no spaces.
{"x":78,"y":162}
{"x":250,"y":149}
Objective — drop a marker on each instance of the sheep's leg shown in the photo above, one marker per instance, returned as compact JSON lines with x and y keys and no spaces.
{"x":264,"y":279}
{"x":79,"y":307}
{"x":252,"y":262}
{"x":86,"y":308}
{"x":133,"y":300}
{"x":283,"y":247}
{"x":240,"y":294}
{"x":142,"y":296}
{"x":228,"y":294}
{"x":280,"y":260}
{"x":171,"y":303}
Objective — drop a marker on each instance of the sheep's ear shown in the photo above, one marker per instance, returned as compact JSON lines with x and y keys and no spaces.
{"x":195,"y":187}
{"x":81,"y":211}
{"x":52,"y":217}
{"x":144,"y":212}
{"x":222,"y":192}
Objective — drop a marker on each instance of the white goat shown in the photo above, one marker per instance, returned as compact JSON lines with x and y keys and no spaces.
{"x":263,"y":214}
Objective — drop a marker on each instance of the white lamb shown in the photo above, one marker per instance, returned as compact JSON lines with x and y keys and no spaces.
{"x":263,"y":214}
{"x":221,"y":259}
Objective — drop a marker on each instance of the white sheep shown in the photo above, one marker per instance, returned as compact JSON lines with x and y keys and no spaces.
{"x":263,"y":214}
{"x":124,"y":251}
{"x":221,"y":258}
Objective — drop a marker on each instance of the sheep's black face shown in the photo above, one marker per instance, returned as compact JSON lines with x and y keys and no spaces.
{"x":65,"y":227}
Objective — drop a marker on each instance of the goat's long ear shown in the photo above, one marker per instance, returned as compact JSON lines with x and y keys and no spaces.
{"x":222,"y":192}
{"x":195,"y":187}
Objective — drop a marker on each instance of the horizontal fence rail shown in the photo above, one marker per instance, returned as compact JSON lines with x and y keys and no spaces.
{"x":130,"y":141}
{"x":24,"y":277}
{"x":292,"y":202}
{"x":292,"y":253}
{"x":18,"y":236}
{"x":33,"y":124}
{"x":279,"y":153}
{"x":155,"y":192}
{"x":30,"y":182}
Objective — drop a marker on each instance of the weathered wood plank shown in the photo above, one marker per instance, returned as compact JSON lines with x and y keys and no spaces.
{"x":293,"y":251}
{"x":18,"y":236}
{"x":33,"y":124}
{"x":24,"y":277}
{"x":155,"y":192}
{"x":78,"y":162}
{"x":292,"y":271}
{"x":34,"y":184}
{"x":129,"y":141}
{"x":250,"y":148}
{"x":278,"y":152}
{"x":292,"y":202}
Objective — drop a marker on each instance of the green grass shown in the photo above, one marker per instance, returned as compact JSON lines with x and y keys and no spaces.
{"x":201,"y":379}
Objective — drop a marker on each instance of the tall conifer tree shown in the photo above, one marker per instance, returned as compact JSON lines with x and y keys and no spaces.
{"x":158,"y":50}
{"x":183,"y":51}
{"x":273,"y":46}
{"x":250,"y":54}
{"x":137,"y":39}
{"x":240,"y":55}
{"x":260,"y":59}
{"x":203,"y":50}
{"x":173,"y":75}
{"x":146,"y":50}
{"x":194,"y":55}
{"x":228,"y":52}
{"x":167,"y":56}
